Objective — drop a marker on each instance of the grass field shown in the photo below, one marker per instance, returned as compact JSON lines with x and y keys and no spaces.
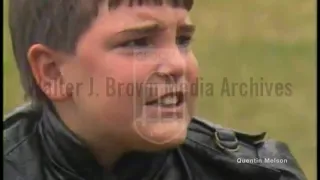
{"x":239,"y":40}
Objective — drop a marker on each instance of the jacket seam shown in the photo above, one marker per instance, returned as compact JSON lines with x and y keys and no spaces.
{"x":17,"y":145}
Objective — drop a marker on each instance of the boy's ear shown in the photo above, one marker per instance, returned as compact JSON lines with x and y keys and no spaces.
{"x":45,"y":67}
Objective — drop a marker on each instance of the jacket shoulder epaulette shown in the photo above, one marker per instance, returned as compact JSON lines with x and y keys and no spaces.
{"x":225,"y":138}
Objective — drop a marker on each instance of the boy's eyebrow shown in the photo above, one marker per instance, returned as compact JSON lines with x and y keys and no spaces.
{"x":143,"y":28}
{"x":186,"y":28}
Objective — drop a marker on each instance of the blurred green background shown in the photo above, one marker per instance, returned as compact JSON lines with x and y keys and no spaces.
{"x":240,"y":40}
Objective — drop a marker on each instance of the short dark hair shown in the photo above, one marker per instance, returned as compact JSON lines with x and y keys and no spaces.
{"x":58,"y":25}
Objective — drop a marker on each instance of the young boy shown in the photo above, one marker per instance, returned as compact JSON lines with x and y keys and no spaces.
{"x":110,"y":84}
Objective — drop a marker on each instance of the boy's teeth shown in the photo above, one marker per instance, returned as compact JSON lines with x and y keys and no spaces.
{"x":169,"y":100}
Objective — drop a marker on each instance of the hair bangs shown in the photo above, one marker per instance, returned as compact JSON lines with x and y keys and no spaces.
{"x":186,"y":4}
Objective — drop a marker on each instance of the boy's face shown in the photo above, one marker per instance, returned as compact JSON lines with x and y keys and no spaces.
{"x":124,"y":66}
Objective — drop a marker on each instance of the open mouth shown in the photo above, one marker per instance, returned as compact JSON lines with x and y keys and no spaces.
{"x":168,"y":100}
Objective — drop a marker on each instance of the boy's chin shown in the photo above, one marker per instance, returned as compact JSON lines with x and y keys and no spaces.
{"x":162,"y":135}
{"x":173,"y":143}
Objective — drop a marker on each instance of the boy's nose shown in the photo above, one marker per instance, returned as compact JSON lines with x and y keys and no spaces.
{"x":173,"y":63}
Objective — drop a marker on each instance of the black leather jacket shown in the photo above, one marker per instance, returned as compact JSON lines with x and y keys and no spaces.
{"x":38,"y":146}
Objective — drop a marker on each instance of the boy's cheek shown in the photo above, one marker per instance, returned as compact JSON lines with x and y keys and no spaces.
{"x":193,"y":66}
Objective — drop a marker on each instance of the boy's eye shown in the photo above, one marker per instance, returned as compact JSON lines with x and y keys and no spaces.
{"x":144,"y":42}
{"x":183,"y":41}
{"x":136,"y":43}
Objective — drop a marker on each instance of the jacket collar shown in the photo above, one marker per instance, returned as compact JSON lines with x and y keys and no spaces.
{"x":63,"y":148}
{"x":69,"y":154}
